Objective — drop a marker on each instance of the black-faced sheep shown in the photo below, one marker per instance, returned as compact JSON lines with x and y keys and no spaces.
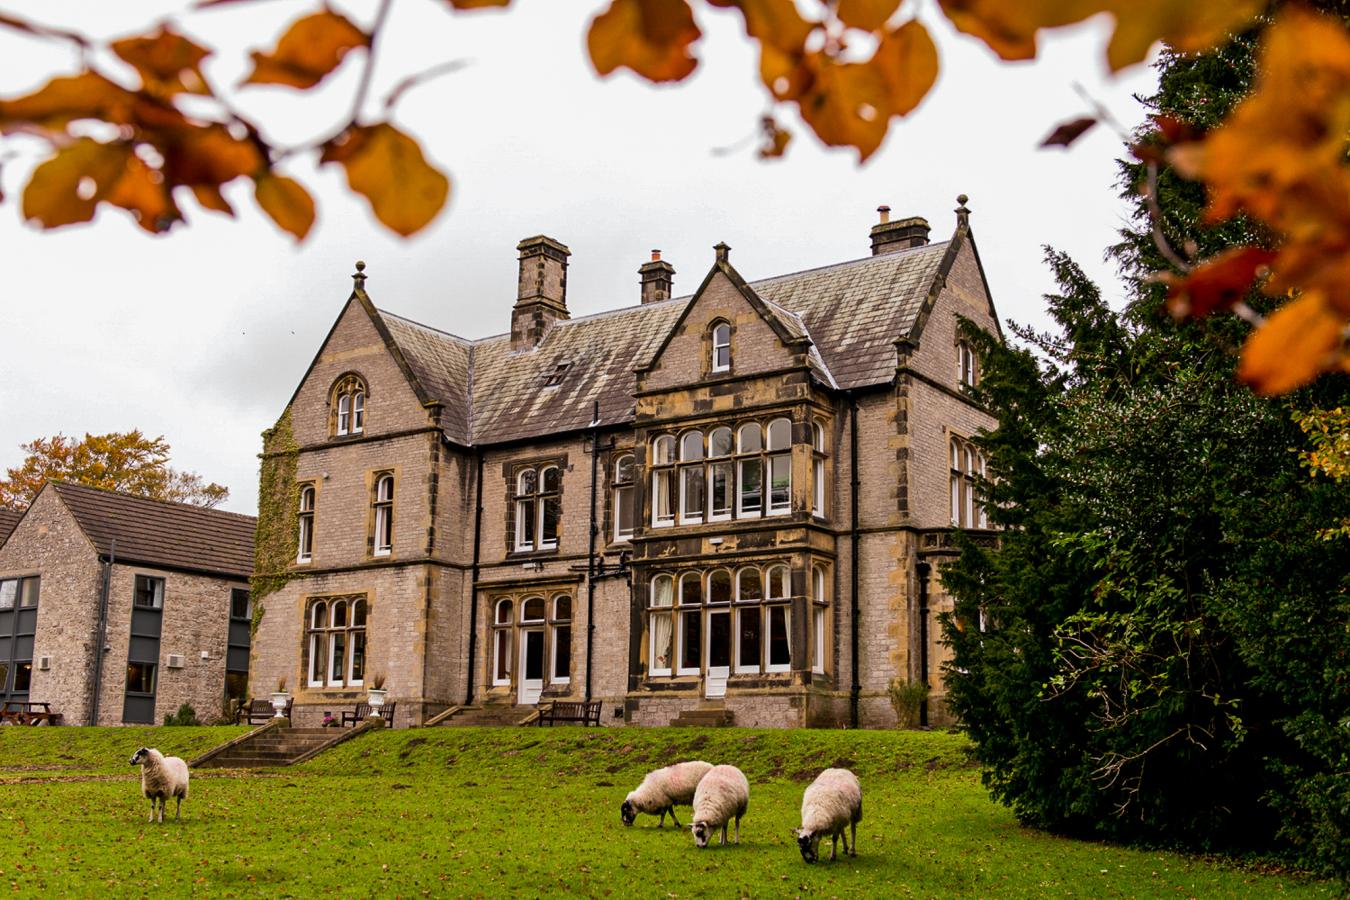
{"x":722,"y":795}
{"x":831,"y":803}
{"x":162,"y":777}
{"x":661,"y":791}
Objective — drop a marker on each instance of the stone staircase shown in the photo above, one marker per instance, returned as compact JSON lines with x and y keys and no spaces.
{"x":708,"y":714}
{"x":489,"y":714}
{"x":276,"y":746}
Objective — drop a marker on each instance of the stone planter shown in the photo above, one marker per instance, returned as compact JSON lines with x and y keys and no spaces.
{"x":375,"y":697}
{"x":279,"y":699}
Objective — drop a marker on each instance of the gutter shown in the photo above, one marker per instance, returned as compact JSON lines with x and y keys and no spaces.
{"x":856,"y":689}
{"x":922,"y":568}
{"x":473,"y":586}
{"x":590,"y":552}
{"x":101,"y":631}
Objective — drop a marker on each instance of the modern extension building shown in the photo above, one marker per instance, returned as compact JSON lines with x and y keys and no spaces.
{"x":725,"y":499}
{"x":117,"y":609}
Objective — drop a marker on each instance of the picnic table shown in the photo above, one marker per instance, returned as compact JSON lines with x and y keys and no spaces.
{"x":28,"y":712}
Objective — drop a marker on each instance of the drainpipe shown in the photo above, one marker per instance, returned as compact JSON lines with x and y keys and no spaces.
{"x":854,"y":537}
{"x":101,"y":632}
{"x":473,"y":587}
{"x":590,"y":553}
{"x":923,"y":569}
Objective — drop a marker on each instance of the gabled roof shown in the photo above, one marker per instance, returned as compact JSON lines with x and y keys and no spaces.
{"x":846,"y":316}
{"x":9,"y":518}
{"x":158,"y":533}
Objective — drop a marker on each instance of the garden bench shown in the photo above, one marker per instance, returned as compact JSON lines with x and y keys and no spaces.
{"x":257,"y":712}
{"x":587,"y":712}
{"x":26,"y":712}
{"x":364,"y":711}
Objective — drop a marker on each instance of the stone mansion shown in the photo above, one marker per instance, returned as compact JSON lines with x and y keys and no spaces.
{"x":732,"y":499}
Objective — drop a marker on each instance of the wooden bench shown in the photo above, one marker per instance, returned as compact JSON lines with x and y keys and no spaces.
{"x":257,"y":712}
{"x":364,"y":711}
{"x":587,"y":712}
{"x":25,"y":712}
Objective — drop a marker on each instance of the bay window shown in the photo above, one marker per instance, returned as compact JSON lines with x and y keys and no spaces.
{"x":337,"y":642}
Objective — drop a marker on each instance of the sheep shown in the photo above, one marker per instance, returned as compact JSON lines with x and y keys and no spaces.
{"x":162,"y":777}
{"x":661,"y":791}
{"x":722,"y":794}
{"x":831,"y":802}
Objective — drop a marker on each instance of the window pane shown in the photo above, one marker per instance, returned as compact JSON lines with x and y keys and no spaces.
{"x":819,"y":587}
{"x":748,"y":638}
{"x":780,"y":434}
{"x":504,"y":612}
{"x":778,"y":582}
{"x":339,"y":619}
{"x":691,"y":589}
{"x":749,"y":585}
{"x":149,"y":592}
{"x":318,"y":615}
{"x":359,"y":614}
{"x":719,"y":639}
{"x":533,"y":610}
{"x":663,"y":488}
{"x":384,"y":488}
{"x":749,"y":438}
{"x":562,"y":608}
{"x":721,"y":489}
{"x":239,"y":604}
{"x":691,"y":446}
{"x":692,"y":492}
{"x":551,"y":483}
{"x":317,"y":649}
{"x":818,"y":436}
{"x":527,"y":482}
{"x":23,"y":676}
{"x":502,"y":656}
{"x":691,"y":639}
{"x":358,"y":656}
{"x":664,"y":451}
{"x":623,"y":469}
{"x":956,"y":500}
{"x":28,"y":593}
{"x":818,"y":485}
{"x":662,"y":637}
{"x":780,"y":653}
{"x":552,"y":513}
{"x":623,"y":504}
{"x":663,"y":589}
{"x":752,"y":488}
{"x":384,"y":528}
{"x":719,"y":442}
{"x":140,"y":677}
{"x":818,"y":645}
{"x":562,"y":653}
{"x":337,"y":645}
{"x":525,"y":524}
{"x":358,"y":412}
{"x":719,"y":587}
{"x":9,"y":593}
{"x":722,"y":357}
{"x":780,"y":484}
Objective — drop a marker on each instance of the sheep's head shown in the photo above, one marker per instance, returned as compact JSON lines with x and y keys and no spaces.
{"x":628,"y":812}
{"x":808,"y":843}
{"x":140,"y":757}
{"x":701,"y":833}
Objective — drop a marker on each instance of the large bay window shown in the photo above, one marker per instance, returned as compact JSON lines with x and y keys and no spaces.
{"x":337,"y":642}
{"x":538,"y":504}
{"x":967,"y":467}
{"x":624,"y":517}
{"x":531,"y":639}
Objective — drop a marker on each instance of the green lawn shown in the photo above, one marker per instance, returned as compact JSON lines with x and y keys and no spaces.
{"x":529,"y":812}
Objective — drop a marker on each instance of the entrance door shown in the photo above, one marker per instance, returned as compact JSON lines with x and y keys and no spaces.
{"x":531,"y":665}
{"x":719,"y":653}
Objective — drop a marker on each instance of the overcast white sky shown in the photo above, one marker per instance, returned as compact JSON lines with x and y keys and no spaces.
{"x":202,"y":335}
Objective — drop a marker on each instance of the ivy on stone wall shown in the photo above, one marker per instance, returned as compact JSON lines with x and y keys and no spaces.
{"x":278,"y":514}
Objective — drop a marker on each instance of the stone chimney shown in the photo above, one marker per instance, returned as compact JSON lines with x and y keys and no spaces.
{"x":888,"y":236}
{"x":541,"y":297}
{"x":658,"y":279}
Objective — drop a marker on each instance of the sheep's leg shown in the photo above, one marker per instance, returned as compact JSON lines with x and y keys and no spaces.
{"x":152,"y":809}
{"x":672,"y":816}
{"x":723,"y":839}
{"x":738,"y":829}
{"x":662,"y":823}
{"x":843,"y":837}
{"x":178,"y":806}
{"x":834,"y":845}
{"x":853,"y":828}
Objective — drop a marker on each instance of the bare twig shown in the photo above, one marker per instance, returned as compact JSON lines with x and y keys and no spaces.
{"x":363,"y":88}
{"x":1155,"y":218}
{"x":445,"y":68}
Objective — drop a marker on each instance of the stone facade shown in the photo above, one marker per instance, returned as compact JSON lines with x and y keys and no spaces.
{"x":507,"y":581}
{"x":52,"y":543}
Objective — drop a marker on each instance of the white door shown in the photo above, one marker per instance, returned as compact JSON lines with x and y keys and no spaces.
{"x":531,"y":665}
{"x":719,"y":653}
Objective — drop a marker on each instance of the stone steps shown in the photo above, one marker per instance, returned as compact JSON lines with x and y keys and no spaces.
{"x":273,"y":747}
{"x":489,"y":716}
{"x":709,"y":714}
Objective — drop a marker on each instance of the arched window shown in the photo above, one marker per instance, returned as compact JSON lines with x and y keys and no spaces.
{"x":337,"y":642}
{"x":721,"y":477}
{"x":383,"y":539}
{"x":820,"y":606}
{"x":968,"y":467}
{"x":538,"y":505}
{"x":663,"y":480}
{"x":318,"y":643}
{"x":780,"y":467}
{"x":560,"y":626}
{"x":721,"y":347}
{"x":691,"y":624}
{"x":348,"y":402}
{"x":778,"y":582}
{"x":305,"y":551}
{"x":502,"y":631}
{"x":356,"y":663}
{"x":965,"y":364}
{"x":661,"y":625}
{"x":532,"y":610}
{"x":749,"y":620}
{"x":622,"y":492}
{"x":693,"y":487}
{"x":819,"y":448}
{"x":750,"y":471}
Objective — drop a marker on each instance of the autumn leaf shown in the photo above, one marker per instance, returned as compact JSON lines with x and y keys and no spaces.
{"x":774,"y":139}
{"x":211,"y":198}
{"x":1009,"y":29}
{"x":1065,"y":133}
{"x":846,"y":105}
{"x":69,"y":98}
{"x":168,"y":63}
{"x":907,"y":61}
{"x":651,"y":37}
{"x":209,"y":155}
{"x":1217,"y":283}
{"x":310,"y":49}
{"x":287,"y":202}
{"x":478,"y":4}
{"x":1297,"y":342}
{"x":774,"y":23}
{"x":1188,"y":26}
{"x":143,"y":192}
{"x":869,"y":15}
{"x":68,"y":187}
{"x":388,"y":168}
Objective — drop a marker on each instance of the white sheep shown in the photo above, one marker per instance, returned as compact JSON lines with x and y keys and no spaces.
{"x":162,"y":777}
{"x":661,"y":791}
{"x":722,"y":795}
{"x":831,"y":803}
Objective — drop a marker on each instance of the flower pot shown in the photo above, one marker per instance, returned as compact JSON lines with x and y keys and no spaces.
{"x":279,"y":699}
{"x":376,"y":698}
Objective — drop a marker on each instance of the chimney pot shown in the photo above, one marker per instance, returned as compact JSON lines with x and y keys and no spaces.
{"x":656,"y":256}
{"x":885,"y":213}
{"x":889,"y":236}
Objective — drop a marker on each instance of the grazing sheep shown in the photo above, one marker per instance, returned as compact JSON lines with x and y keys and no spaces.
{"x":162,"y":777}
{"x":832,"y":802}
{"x":722,"y":794}
{"x":661,"y":791}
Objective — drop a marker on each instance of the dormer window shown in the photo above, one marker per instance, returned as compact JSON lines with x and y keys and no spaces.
{"x":349,"y":406}
{"x":721,"y":347}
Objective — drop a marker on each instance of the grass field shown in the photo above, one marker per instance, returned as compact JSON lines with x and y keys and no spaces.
{"x":530,"y":812}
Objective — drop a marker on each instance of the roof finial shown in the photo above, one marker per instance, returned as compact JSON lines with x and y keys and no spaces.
{"x":723,"y":251}
{"x":962,"y":214}
{"x":360,"y":276}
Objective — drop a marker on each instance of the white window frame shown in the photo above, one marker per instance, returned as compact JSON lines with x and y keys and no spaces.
{"x":769,"y":664}
{"x":692,"y":463}
{"x":525,"y":500}
{"x":662,"y":481}
{"x":721,"y":340}
{"x":772,"y":454}
{"x":358,"y":411}
{"x":305,"y":545}
{"x":681,"y":611}
{"x":623,"y":493}
{"x":820,"y":606}
{"x":384,"y":515}
{"x":318,"y":642}
{"x":502,"y":629}
{"x":353,"y":632}
{"x":654,"y":611}
{"x":818,"y":447}
{"x":335,"y":630}
{"x":544,"y":496}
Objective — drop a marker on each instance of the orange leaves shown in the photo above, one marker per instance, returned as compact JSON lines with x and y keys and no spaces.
{"x":651,"y":37}
{"x":1299,"y":341}
{"x":168,"y":63}
{"x":387,"y":167}
{"x":309,"y":50}
{"x":1218,"y":283}
{"x":287,"y":202}
{"x":869,"y":15}
{"x":67,"y":188}
{"x":907,"y":60}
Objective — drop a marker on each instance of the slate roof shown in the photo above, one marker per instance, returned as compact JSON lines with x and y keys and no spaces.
{"x":157,"y":533}
{"x":9,"y":518}
{"x":852,"y":312}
